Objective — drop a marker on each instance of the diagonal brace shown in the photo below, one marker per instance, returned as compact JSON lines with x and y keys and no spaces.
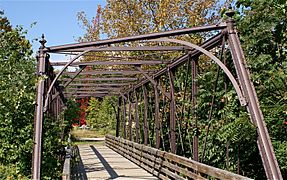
{"x":69,"y":81}
{"x":159,"y":87}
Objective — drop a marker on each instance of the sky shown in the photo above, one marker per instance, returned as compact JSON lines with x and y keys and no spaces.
{"x":56,"y":19}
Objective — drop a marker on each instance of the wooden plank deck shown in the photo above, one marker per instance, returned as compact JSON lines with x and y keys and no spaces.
{"x":100,"y":162}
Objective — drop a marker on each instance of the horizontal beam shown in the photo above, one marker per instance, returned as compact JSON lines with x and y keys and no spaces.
{"x":112,"y":72}
{"x":92,"y":89}
{"x":91,"y":63}
{"x":87,"y":92}
{"x":209,"y":44}
{"x":102,"y":79}
{"x":101,"y":84}
{"x":138,"y":48}
{"x":86,"y":95}
{"x":135,"y":38}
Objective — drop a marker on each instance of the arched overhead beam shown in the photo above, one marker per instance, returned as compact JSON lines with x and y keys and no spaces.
{"x":242,"y":99}
{"x":69,"y":81}
{"x":208,"y":44}
{"x":59,"y":74}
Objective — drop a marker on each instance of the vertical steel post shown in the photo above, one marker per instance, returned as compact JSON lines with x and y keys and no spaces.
{"x":58,"y":107}
{"x":172,"y":113}
{"x":130,"y":117}
{"x":264,"y":143}
{"x":38,"y":121}
{"x":145,"y":115}
{"x":193,"y":99}
{"x":156,"y":113}
{"x":118,"y":118}
{"x":124,"y":119}
{"x":137,"y":117}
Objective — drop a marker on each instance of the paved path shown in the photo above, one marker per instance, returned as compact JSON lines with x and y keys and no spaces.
{"x":100,"y":162}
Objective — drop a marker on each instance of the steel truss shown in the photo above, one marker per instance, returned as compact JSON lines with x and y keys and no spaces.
{"x":129,"y":80}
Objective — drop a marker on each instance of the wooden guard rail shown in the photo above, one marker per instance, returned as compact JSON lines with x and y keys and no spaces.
{"x":66,"y":175}
{"x":166,"y":165}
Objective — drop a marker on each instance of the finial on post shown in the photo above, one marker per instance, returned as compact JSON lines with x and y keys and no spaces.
{"x":42,"y":41}
{"x":230,"y":20}
{"x":230,"y":12}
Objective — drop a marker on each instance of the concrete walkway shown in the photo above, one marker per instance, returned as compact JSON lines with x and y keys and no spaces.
{"x":100,"y":162}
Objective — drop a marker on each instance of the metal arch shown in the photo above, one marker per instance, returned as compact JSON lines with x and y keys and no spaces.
{"x":68,"y":82}
{"x":242,"y":99}
{"x":59,"y":74}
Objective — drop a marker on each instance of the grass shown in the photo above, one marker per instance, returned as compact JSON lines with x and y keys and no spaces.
{"x":84,"y":133}
{"x":89,"y":143}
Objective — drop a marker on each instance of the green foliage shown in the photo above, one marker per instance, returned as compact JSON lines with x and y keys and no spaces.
{"x":10,"y":172}
{"x":17,"y":94}
{"x":231,"y":140}
{"x":17,"y":105}
{"x":71,"y":114}
{"x":92,"y":112}
{"x":53,"y":149}
{"x":101,"y":114}
{"x":263,"y":30}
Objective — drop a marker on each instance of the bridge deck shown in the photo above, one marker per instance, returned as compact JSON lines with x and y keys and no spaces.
{"x":100,"y":162}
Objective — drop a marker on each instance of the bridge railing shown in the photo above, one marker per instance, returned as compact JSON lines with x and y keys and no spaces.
{"x":66,"y":175}
{"x":166,"y":165}
{"x":71,"y":153}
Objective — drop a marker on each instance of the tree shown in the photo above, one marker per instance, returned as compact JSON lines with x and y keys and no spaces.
{"x":263,"y":30}
{"x":17,"y":105}
{"x":17,"y":95}
{"x":101,"y":115}
{"x":92,"y":112}
{"x":153,"y":16}
{"x":231,"y":142}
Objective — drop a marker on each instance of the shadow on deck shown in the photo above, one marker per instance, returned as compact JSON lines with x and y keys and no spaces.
{"x":100,"y":162}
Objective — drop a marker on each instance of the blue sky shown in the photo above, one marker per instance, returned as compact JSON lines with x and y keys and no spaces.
{"x":57,"y":19}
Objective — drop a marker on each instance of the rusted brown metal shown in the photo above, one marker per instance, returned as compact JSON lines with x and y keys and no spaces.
{"x":264,"y":143}
{"x":79,"y":96}
{"x":172,"y":113}
{"x":69,"y":81}
{"x":124,"y":118}
{"x":136,"y":38}
{"x":38,"y":121}
{"x":109,"y":72}
{"x":137,"y":117}
{"x":244,"y":90}
{"x":155,"y":84}
{"x":138,"y":48}
{"x":194,"y":102}
{"x":145,"y":125}
{"x":222,"y":58}
{"x":92,"y":89}
{"x":109,"y":63}
{"x":48,"y":94}
{"x":118,"y":117}
{"x":241,"y":98}
{"x":83,"y":79}
{"x":88,"y":92}
{"x":100,"y":84}
{"x":130,"y":117}
{"x":156,"y":117}
{"x":209,"y":44}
